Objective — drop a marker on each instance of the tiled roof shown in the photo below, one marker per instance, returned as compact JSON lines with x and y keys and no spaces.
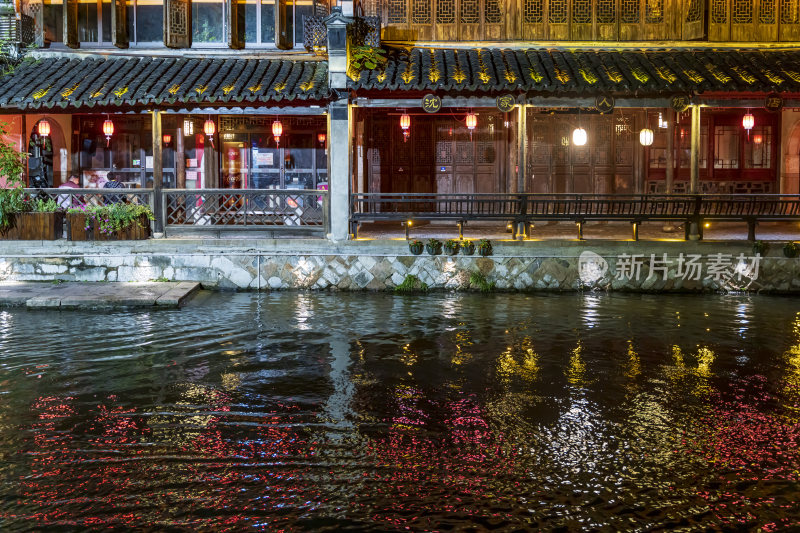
{"x":585,"y":72}
{"x":90,"y":82}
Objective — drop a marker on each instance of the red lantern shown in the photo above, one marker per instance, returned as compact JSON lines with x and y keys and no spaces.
{"x":748,"y":121}
{"x":472,"y":121}
{"x":405,"y":122}
{"x":108,"y":128}
{"x":277,"y":131}
{"x":321,"y":138}
{"x":209,"y":128}
{"x":44,"y":128}
{"x":167,"y":138}
{"x":758,"y":139}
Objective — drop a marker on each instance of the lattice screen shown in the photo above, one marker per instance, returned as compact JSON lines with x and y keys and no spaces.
{"x":630,"y":11}
{"x":790,"y":12}
{"x":470,"y":11}
{"x":606,"y":11}
{"x":446,"y":11}
{"x":582,"y":11}
{"x":742,"y":12}
{"x":654,"y":11}
{"x":493,"y":11}
{"x":533,"y":11}
{"x":695,"y":11}
{"x":719,"y":11}
{"x":420,"y":11}
{"x":766,"y":13}
{"x":397,"y":12}
{"x":557,"y":12}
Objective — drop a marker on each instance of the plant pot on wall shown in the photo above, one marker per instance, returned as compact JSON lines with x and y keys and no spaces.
{"x":484,"y":248}
{"x":467,"y":247}
{"x":791,"y":250}
{"x":47,"y":226}
{"x":434,"y":247}
{"x":416,"y":247}
{"x":451,"y":247}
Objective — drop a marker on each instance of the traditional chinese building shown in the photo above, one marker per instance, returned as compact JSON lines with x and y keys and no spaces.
{"x":475,"y":96}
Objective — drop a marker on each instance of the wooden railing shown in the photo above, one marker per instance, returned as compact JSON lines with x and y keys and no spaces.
{"x":526,"y":208}
{"x":246,"y":209}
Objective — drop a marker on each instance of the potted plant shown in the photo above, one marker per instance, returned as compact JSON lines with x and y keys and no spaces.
{"x":791,"y":249}
{"x":451,"y":246}
{"x":467,"y":247}
{"x":11,"y":192}
{"x":484,"y":247}
{"x":415,"y":247}
{"x":434,"y":246}
{"x":42,"y":220}
{"x":118,"y":221}
{"x":760,"y":248}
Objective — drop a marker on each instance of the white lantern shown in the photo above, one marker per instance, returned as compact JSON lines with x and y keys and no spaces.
{"x":579,"y":136}
{"x":748,"y":121}
{"x":646,"y":137}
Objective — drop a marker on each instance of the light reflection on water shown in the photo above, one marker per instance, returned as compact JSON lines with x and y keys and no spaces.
{"x":370,"y":411}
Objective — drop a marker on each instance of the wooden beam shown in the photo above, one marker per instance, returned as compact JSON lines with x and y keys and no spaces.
{"x":158,"y":173}
{"x":119,"y":24}
{"x":694,"y":167}
{"x":670,"y":171}
{"x":70,"y":8}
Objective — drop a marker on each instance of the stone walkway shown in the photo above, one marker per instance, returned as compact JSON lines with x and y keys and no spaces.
{"x":716,"y":231}
{"x":90,"y":295}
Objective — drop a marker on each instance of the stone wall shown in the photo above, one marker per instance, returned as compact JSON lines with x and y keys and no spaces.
{"x":308,"y":264}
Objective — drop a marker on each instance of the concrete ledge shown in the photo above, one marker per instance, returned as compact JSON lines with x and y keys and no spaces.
{"x":87,"y":295}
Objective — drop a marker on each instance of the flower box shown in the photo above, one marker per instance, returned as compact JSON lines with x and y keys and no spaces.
{"x":81,"y":227}
{"x":47,"y":226}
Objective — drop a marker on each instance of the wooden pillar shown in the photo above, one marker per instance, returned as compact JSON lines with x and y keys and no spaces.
{"x":119,"y":24}
{"x":235,"y":24}
{"x":522,"y":148}
{"x":70,"y":8}
{"x":284,"y":40}
{"x":694,"y":185}
{"x":670,"y":174}
{"x":158,"y":173}
{"x":180,"y":159}
{"x":178,"y":23}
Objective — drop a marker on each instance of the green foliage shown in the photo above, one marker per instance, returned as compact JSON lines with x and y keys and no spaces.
{"x":161,"y":279}
{"x":366,"y":57}
{"x":12,"y":162}
{"x":434,"y":246}
{"x":44,"y":205}
{"x":467,"y":247}
{"x":479,"y":281}
{"x":114,"y":217}
{"x":485,"y":247}
{"x":760,"y":247}
{"x":411,"y":284}
{"x":451,"y":246}
{"x":791,"y":249}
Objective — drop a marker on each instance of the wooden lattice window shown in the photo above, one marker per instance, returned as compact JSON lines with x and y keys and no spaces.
{"x":446,"y":11}
{"x":397,"y":12}
{"x":654,"y":11}
{"x":582,"y":11}
{"x":766,"y":13}
{"x":534,"y":11}
{"x":421,"y":11}
{"x":695,"y":11}
{"x":630,"y":11}
{"x":790,"y":12}
{"x":470,"y":12}
{"x":493,"y":12}
{"x":606,"y":11}
{"x":557,"y":12}
{"x":742,"y":12}
{"x":719,"y":11}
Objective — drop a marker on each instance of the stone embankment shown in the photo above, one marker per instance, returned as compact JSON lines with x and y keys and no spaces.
{"x":381,"y":265}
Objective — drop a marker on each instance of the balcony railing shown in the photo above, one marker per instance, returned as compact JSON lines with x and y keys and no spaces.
{"x":245,"y":209}
{"x":16,"y":30}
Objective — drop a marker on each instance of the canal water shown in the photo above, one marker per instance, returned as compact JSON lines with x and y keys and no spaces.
{"x":302,"y":411}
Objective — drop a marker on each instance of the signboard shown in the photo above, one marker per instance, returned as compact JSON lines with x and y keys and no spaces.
{"x":604,"y":104}
{"x":773,"y":102}
{"x":431,"y":103}
{"x":505,"y":102}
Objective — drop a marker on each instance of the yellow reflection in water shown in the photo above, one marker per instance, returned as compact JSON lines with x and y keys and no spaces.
{"x":634,"y":365}
{"x":527,"y":368}
{"x":408,"y":356}
{"x":705,"y":358}
{"x":576,"y":369}
{"x":462,"y":340}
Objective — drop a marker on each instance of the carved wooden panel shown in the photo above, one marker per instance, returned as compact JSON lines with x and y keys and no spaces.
{"x":532,"y":15}
{"x":693,"y":16}
{"x":606,"y":21}
{"x":789,"y":20}
{"x":178,"y":23}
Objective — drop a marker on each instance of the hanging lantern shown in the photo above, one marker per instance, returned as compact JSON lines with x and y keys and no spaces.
{"x":44,"y":128}
{"x":167,"y":138}
{"x":748,"y":121}
{"x":661,"y":122}
{"x":188,"y":127}
{"x":209,"y":128}
{"x":646,"y":137}
{"x":321,"y":138}
{"x":277,"y":131}
{"x":472,"y":121}
{"x":108,"y":128}
{"x":579,"y":136}
{"x":405,"y":125}
{"x":758,"y":139}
